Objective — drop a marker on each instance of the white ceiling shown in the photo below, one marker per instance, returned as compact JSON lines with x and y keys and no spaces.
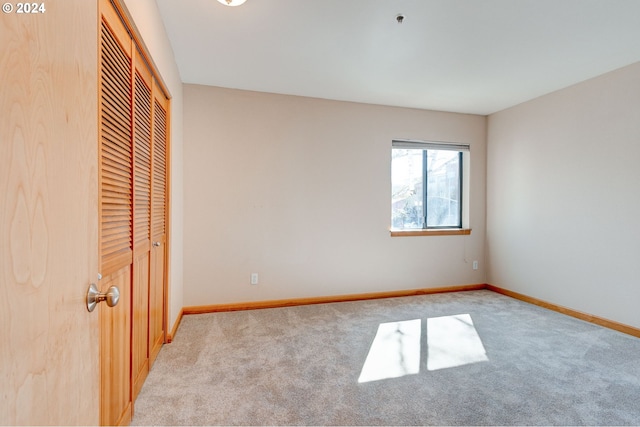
{"x":469,"y":56}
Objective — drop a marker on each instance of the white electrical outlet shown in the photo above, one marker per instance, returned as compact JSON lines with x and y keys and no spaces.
{"x":254,"y":278}
{"x":475,"y":265}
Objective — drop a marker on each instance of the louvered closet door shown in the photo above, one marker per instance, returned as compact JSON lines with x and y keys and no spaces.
{"x":116,"y":216}
{"x":158,"y":225}
{"x":142,"y":221}
{"x":133,"y":216}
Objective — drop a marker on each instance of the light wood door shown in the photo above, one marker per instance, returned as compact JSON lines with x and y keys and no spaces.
{"x":48,"y":215}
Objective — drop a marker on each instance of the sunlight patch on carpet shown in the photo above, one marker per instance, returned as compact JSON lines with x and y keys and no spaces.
{"x":453,"y":341}
{"x":394,"y":353}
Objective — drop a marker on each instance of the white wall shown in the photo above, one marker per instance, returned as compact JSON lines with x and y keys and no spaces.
{"x":298,"y":190}
{"x":563,"y":197}
{"x":147,"y":19}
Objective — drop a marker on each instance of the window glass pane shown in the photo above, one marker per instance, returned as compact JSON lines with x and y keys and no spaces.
{"x":443,"y":188}
{"x":407,"y":189}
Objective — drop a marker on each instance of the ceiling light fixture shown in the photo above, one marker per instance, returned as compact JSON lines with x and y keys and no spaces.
{"x":232,"y":2}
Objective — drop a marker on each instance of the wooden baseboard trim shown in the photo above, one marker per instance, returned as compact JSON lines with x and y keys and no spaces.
{"x":324,"y":300}
{"x":620,"y":327}
{"x":256,"y":305}
{"x":173,"y":332}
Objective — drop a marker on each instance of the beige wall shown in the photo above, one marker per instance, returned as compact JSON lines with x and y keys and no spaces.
{"x":147,"y":19}
{"x":564,"y":197}
{"x":298,"y":190}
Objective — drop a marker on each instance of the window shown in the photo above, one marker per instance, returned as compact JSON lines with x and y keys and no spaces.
{"x":427,"y":185}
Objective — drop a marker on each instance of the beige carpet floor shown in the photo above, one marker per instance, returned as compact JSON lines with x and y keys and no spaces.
{"x":467,"y":358}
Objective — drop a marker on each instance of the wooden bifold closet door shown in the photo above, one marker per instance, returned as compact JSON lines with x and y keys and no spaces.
{"x":133,"y":182}
{"x":142,"y":126}
{"x":115,"y":214}
{"x":159,"y":203}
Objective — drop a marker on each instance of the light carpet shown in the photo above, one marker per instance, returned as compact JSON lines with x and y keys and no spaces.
{"x":301,"y":366}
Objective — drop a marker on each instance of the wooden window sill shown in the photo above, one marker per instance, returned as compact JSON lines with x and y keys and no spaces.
{"x":432,"y":232}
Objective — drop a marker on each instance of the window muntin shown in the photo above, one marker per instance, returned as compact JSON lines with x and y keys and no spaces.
{"x":426,"y":185}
